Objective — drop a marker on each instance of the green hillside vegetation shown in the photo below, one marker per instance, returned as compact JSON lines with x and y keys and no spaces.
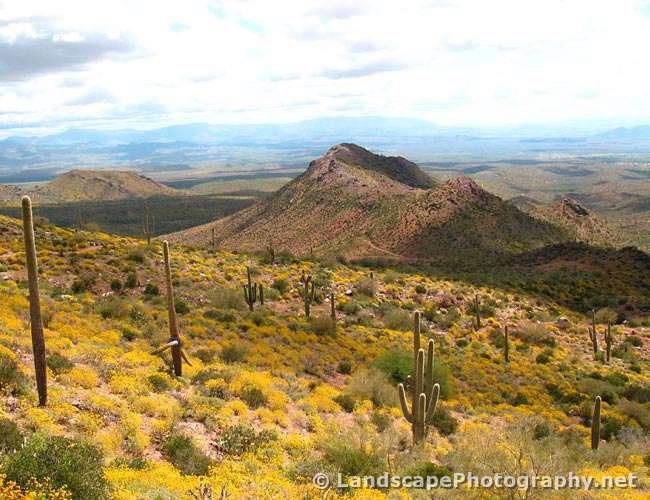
{"x":271,"y":396}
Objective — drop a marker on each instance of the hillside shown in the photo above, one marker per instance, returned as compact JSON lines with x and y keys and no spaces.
{"x":272,"y":397}
{"x":354,"y":203}
{"x":98,"y":185}
{"x":582,"y":224}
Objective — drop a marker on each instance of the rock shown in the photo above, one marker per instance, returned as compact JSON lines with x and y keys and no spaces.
{"x":562,"y":323}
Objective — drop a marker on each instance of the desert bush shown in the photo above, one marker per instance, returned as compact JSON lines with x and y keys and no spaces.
{"x":372,"y":385}
{"x":240,"y":438}
{"x":398,"y":319}
{"x":346,"y":402}
{"x":10,"y":374}
{"x":233,"y":353}
{"x":227,"y":298}
{"x":533,"y":333}
{"x":280,"y":284}
{"x":322,"y":325}
{"x":181,"y":306}
{"x":181,"y":451}
{"x":83,"y":283}
{"x":365,"y":286}
{"x":76,"y":465}
{"x":151,"y":290}
{"x":254,"y":397}
{"x":344,"y":367}
{"x":353,"y":454}
{"x":59,"y":363}
{"x":116,"y":284}
{"x":10,"y":437}
{"x":113,"y":307}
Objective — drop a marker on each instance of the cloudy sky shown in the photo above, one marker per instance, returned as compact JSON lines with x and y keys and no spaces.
{"x":145,"y":64}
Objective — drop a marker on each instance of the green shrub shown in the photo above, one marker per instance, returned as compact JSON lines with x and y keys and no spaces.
{"x":241,"y":438}
{"x":280,"y":284}
{"x":59,"y":363}
{"x":398,"y":319}
{"x":10,"y":374}
{"x":322,"y":325}
{"x":397,"y":364}
{"x":113,"y":307}
{"x":233,"y":354}
{"x":131,"y":280}
{"x":83,"y":283}
{"x":159,"y":382}
{"x":365,"y":286}
{"x":116,"y":285}
{"x":181,"y":306}
{"x":254,"y":397}
{"x":228,"y":298}
{"x":10,"y":437}
{"x":533,"y":333}
{"x":151,"y":290}
{"x":444,"y":422}
{"x":346,"y":402}
{"x":344,"y":367}
{"x":420,"y":289}
{"x":136,"y":255}
{"x":181,"y":451}
{"x":77,"y":465}
{"x":544,"y":357}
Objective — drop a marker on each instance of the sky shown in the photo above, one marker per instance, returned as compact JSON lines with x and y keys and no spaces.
{"x":147,"y":64}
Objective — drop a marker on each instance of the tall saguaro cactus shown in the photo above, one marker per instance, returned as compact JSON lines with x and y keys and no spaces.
{"x":250,"y":290}
{"x":609,"y":339}
{"x":308,"y":292}
{"x":147,"y":224}
{"x":333,"y":306}
{"x":174,"y":337}
{"x":477,"y":312}
{"x":424,"y":393}
{"x":593,"y":333}
{"x":506,"y":345}
{"x":595,"y":425}
{"x":36,"y":320}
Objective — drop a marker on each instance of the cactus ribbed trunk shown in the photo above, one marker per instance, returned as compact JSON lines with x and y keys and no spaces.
{"x":506,"y":347}
{"x":595,"y":425}
{"x":36,"y":320}
{"x":250,"y":291}
{"x":332,"y":307}
{"x":608,"y":342}
{"x":308,"y":293}
{"x":477,"y":312}
{"x":424,"y":393}
{"x":173,"y":320}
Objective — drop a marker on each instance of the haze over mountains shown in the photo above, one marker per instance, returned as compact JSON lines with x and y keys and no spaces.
{"x":28,"y":159}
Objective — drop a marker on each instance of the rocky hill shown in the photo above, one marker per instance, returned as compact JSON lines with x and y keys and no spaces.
{"x":355,"y":203}
{"x":578,"y":221}
{"x":98,"y":185}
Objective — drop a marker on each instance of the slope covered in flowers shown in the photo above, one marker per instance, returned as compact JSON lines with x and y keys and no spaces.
{"x":272,"y":398}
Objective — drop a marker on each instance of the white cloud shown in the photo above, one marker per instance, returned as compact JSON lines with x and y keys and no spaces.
{"x":141,"y":63}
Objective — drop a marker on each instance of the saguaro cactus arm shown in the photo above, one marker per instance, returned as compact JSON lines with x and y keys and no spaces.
{"x":36,"y":320}
{"x":404,"y":404}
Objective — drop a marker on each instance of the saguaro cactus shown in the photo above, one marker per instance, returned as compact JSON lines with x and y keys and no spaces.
{"x":36,"y":320}
{"x":608,"y":341}
{"x":270,"y":248}
{"x":250,"y":291}
{"x":593,"y":334}
{"x":477,"y":312}
{"x":308,"y":292}
{"x":214,"y":239}
{"x":506,"y":345}
{"x":424,"y":393}
{"x":178,"y":354}
{"x":333,"y":306}
{"x":147,"y":224}
{"x":595,"y":425}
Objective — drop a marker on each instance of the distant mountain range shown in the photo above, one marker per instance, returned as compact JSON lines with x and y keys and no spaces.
{"x":321,"y":130}
{"x":181,"y":147}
